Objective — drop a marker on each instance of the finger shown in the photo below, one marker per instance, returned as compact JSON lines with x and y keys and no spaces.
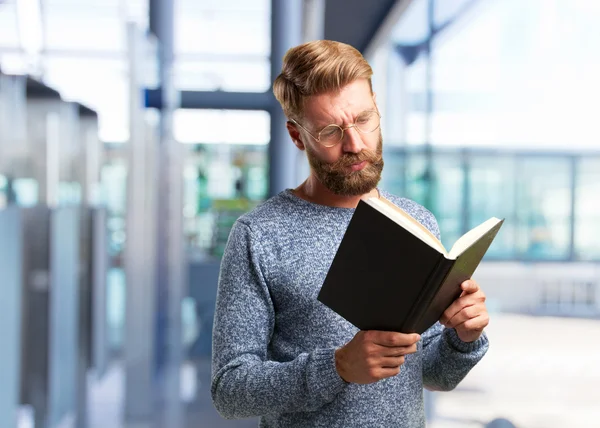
{"x":461,"y":303}
{"x":470,"y":286}
{"x":387,"y":351}
{"x":465,"y":314}
{"x":475,"y":324}
{"x":386,"y":372}
{"x":392,"y":339}
{"x":455,"y":308}
{"x":391,"y":362}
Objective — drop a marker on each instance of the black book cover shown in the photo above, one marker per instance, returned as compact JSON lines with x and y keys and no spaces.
{"x":385,"y":278}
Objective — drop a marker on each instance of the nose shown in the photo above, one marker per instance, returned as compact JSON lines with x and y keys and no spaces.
{"x":352,"y":142}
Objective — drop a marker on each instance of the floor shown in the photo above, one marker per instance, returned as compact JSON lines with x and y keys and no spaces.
{"x":197,"y":411}
{"x":539,"y":373}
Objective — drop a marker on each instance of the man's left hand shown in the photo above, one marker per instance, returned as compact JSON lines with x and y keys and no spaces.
{"x":468,"y":314}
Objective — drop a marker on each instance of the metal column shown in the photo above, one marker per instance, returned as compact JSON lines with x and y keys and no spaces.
{"x":171,"y":258}
{"x":11,"y":264}
{"x":286,"y":32}
{"x":314,"y":20}
{"x":140,"y":298}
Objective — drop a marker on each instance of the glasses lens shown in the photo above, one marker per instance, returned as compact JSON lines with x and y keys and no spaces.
{"x":367,"y":121}
{"x":331,"y":134}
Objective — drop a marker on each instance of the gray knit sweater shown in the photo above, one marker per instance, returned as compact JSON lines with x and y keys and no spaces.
{"x":274,"y":343}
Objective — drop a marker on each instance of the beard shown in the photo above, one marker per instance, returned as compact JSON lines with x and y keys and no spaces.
{"x":338,"y":179}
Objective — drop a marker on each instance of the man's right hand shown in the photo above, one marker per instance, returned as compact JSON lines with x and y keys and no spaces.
{"x":374,"y":355}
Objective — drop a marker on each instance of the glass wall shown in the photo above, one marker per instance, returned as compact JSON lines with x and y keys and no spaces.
{"x":225,"y":172}
{"x":223,"y":45}
{"x":549,"y":200}
{"x":222,"y":181}
{"x":518,"y":74}
{"x":491,"y":192}
{"x":587,"y":209}
{"x":489,"y":112}
{"x":543,"y":201}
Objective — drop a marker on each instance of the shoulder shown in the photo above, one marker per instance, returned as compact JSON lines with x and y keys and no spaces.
{"x":415,"y":210}
{"x":269,"y":214}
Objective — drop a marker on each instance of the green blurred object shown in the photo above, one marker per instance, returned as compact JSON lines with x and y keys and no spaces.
{"x":227,"y":211}
{"x":204,"y":201}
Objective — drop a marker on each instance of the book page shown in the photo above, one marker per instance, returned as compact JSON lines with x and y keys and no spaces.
{"x":472,"y":236}
{"x":405,"y":220}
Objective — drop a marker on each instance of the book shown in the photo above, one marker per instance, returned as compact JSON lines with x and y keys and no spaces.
{"x":391,"y":273}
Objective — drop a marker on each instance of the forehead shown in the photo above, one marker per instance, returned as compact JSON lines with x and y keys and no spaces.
{"x":340,"y":106}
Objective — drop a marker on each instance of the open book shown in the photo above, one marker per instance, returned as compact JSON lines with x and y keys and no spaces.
{"x":391,"y":273}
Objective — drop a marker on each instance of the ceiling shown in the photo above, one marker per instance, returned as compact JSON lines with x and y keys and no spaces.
{"x":219,"y":45}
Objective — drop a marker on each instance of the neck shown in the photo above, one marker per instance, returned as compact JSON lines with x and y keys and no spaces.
{"x":313,"y":191}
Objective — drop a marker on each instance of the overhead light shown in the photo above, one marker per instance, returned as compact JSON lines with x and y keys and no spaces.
{"x":29,"y":16}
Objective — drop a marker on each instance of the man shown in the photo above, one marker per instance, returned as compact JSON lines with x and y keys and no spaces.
{"x":280,"y":354}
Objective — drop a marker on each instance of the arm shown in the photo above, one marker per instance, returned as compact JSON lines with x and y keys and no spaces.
{"x":244,"y":382}
{"x":447,"y":359}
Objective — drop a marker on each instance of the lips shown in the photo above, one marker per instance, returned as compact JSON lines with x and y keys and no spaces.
{"x":358,"y":166}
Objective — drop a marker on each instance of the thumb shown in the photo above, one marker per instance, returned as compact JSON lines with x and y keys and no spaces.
{"x":469,"y":286}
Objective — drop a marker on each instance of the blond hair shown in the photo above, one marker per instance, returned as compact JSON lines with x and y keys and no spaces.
{"x":315,"y":68}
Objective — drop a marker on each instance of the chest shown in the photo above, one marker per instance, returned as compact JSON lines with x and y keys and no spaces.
{"x":298,"y":267}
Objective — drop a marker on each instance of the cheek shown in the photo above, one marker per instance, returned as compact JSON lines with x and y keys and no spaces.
{"x":371,"y":140}
{"x":331,"y":157}
{"x":327,"y":155}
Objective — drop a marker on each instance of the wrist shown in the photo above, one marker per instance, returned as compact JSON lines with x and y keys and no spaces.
{"x":453,"y":339}
{"x":339,"y":363}
{"x":468,"y":337}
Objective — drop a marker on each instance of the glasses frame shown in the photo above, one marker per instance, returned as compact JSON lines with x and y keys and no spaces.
{"x":318,"y":137}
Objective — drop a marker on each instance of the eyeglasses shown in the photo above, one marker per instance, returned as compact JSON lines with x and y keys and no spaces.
{"x":366,"y":122}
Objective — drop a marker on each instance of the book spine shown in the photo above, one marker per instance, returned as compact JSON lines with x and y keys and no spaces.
{"x":428,"y":292}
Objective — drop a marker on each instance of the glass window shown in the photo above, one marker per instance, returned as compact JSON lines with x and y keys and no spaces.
{"x":415,"y":179}
{"x":9,"y":36}
{"x":98,"y":83}
{"x":114,"y":197}
{"x":405,"y":174}
{"x":413,"y":26}
{"x":3,"y":191}
{"x":223,"y":45}
{"x":491,"y":185}
{"x":445,"y":10}
{"x":587,"y":210}
{"x":543,"y":208}
{"x":228,"y":74}
{"x":26,"y":191}
{"x":222,"y":126}
{"x":222,"y":181}
{"x":393,"y":177}
{"x":80,"y":26}
{"x":416,"y":94}
{"x":498,"y":80}
{"x":391,"y":99}
{"x":447,"y":197}
{"x":243,"y":31}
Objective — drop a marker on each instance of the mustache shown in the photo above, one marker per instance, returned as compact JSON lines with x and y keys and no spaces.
{"x":349,"y":159}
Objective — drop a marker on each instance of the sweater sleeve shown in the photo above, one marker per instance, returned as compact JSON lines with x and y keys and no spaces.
{"x":245,"y":383}
{"x":446,"y":358}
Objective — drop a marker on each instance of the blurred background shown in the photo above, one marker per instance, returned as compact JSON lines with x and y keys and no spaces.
{"x":134,"y":132}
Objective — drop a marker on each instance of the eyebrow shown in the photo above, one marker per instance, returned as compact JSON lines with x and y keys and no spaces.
{"x":321,"y":125}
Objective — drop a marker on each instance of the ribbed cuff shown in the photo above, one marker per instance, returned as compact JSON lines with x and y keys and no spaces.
{"x":466,"y":347}
{"x":323,"y":379}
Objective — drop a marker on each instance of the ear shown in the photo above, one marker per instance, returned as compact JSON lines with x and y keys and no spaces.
{"x":295,"y":135}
